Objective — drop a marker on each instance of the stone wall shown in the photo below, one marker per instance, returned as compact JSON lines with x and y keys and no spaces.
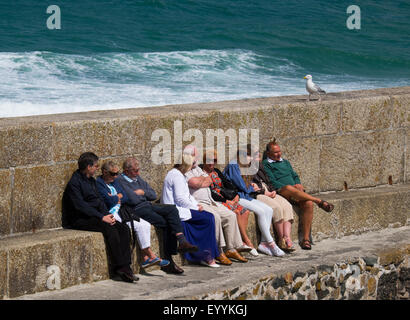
{"x":378,"y":277}
{"x":350,"y":140}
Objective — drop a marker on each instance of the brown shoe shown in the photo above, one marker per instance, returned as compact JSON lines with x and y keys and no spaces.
{"x":187,"y":247}
{"x":327,"y":206}
{"x":172,"y":268}
{"x":222,"y":259}
{"x":233,"y":254}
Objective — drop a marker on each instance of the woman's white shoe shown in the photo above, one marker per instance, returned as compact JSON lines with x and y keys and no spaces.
{"x":276,"y":251}
{"x":253,"y":252}
{"x":264,"y":249}
{"x":212,"y":265}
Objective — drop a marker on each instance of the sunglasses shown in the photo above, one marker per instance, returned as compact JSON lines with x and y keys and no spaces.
{"x":113,"y":174}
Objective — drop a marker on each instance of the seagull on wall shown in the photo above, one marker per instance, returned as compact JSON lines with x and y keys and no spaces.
{"x":313,"y":88}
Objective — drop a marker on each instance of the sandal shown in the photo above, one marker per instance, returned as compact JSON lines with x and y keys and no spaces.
{"x":289,"y":245}
{"x":327,"y":206}
{"x":306,"y":244}
{"x":285,"y":246}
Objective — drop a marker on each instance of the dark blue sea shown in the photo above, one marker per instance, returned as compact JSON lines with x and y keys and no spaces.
{"x":138,"y":53}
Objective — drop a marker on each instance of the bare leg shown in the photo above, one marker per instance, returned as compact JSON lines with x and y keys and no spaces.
{"x":307,"y":217}
{"x":242,"y":224}
{"x":279,"y":229}
{"x":148,"y":253}
{"x":291,"y":192}
{"x":287,"y":227}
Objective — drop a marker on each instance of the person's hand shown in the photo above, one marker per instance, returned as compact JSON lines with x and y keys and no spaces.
{"x":120,"y":196}
{"x":255,"y":186}
{"x":109,"y":218}
{"x":236,"y":199}
{"x":200,"y":207}
{"x":139,"y":192}
{"x":299,"y":187}
{"x":270,"y":194}
{"x":206,"y":181}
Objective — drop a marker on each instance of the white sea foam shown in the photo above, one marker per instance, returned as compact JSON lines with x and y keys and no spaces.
{"x":35,"y":83}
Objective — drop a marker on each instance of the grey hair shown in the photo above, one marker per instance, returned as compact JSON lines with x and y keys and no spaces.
{"x":127,"y":164}
{"x":107,"y":165}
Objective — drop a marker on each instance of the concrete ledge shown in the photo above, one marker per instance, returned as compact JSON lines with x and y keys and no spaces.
{"x":358,"y":211}
{"x":265,"y":277}
{"x":28,"y":262}
{"x":57,"y":259}
{"x":32,"y":261}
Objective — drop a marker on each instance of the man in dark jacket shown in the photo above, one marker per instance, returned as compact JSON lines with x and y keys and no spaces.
{"x":83,"y":209}
{"x":165,"y":217}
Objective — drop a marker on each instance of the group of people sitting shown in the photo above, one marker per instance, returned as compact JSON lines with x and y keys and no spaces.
{"x":203,"y":212}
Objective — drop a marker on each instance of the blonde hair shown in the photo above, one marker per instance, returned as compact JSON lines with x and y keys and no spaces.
{"x":187,"y":161}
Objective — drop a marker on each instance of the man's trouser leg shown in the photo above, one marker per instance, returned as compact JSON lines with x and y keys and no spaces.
{"x":163,"y":217}
{"x":117,"y":237}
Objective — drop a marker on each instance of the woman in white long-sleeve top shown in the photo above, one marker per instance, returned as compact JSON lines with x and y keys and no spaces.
{"x":198,"y":224}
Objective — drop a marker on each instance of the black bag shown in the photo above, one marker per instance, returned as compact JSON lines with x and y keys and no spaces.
{"x":228,"y":194}
{"x":228,"y":191}
{"x":128,"y":214}
{"x":254,"y":194}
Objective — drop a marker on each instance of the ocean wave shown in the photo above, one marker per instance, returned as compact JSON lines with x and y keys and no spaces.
{"x":42,"y":82}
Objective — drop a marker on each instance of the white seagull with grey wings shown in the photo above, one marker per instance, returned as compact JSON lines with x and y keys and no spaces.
{"x":313,"y":88}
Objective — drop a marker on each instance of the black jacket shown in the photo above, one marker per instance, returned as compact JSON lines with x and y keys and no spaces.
{"x":81,"y":200}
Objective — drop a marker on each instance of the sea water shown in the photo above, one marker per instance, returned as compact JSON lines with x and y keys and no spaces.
{"x":139,"y":53}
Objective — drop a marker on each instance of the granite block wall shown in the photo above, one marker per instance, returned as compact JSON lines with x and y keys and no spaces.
{"x":350,"y":140}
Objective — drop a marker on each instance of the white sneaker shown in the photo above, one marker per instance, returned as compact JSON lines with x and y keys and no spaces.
{"x":264,"y":249}
{"x":276,"y":251}
{"x":253,"y":252}
{"x":213,"y":265}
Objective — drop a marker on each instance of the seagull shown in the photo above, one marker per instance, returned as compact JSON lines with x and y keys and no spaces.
{"x":313,"y":88}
